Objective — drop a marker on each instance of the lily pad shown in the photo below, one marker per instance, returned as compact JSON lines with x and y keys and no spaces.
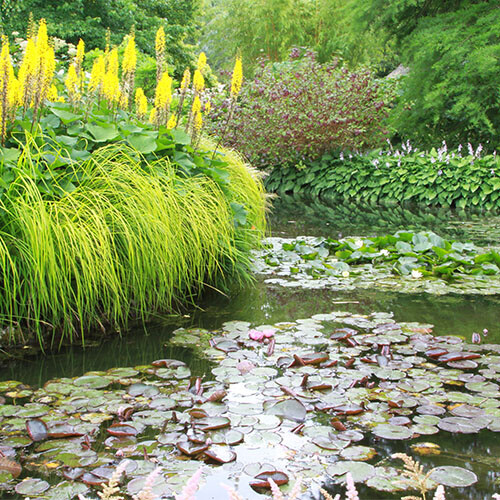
{"x":262,"y":480}
{"x":220,"y":454}
{"x":389,"y":431}
{"x":454,"y":477}
{"x":358,"y":453}
{"x":32,"y":487}
{"x":37,"y":429}
{"x":461,"y":425}
{"x":290,"y":409}
{"x":92,"y":381}
{"x":360,"y":471}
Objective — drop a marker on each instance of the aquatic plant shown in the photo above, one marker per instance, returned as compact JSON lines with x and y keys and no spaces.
{"x":410,"y":261}
{"x":414,"y":472}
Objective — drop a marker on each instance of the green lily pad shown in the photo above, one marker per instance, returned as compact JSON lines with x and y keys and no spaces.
{"x":360,"y":471}
{"x":454,"y":477}
{"x":389,"y":431}
{"x":387,"y":479}
{"x":290,"y":409}
{"x":358,"y":453}
{"x":92,"y":381}
{"x":32,"y":487}
{"x":461,"y":425}
{"x":66,"y":490}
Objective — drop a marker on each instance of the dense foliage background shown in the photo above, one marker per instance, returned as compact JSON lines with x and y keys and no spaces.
{"x":90,"y":19}
{"x":451,"y":52}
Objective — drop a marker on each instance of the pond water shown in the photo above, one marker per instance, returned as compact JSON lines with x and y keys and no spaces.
{"x":267,"y":304}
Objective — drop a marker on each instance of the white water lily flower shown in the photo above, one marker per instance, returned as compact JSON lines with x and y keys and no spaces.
{"x":358,"y":242}
{"x":345,"y":274}
{"x":415,"y":273}
{"x":384,"y":252}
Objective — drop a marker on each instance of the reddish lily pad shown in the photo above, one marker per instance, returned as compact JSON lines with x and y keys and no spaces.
{"x":315,"y":358}
{"x":225,"y":345}
{"x":348,"y":409}
{"x":92,"y":480}
{"x":122,"y":430}
{"x":37,"y":429}
{"x":63,"y":431}
{"x":73,"y":473}
{"x":191,"y":449}
{"x":262,"y":480}
{"x":212,"y":423}
{"x":458,"y":356}
{"x":220,"y":454}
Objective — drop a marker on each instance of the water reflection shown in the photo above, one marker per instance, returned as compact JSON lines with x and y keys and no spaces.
{"x":295,"y":217}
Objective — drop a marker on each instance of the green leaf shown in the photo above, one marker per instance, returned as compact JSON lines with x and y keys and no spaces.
{"x":239,"y":214}
{"x":104,"y":132}
{"x":64,"y":114}
{"x":184,"y":160}
{"x":144,"y":143}
{"x":9,"y":155}
{"x":403,"y":247}
{"x":180,"y":137}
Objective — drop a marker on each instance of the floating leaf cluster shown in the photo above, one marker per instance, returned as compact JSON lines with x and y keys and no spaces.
{"x":321,"y":397}
{"x":405,"y":261}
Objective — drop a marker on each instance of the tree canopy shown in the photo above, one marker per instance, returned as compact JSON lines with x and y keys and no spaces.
{"x":90,"y":19}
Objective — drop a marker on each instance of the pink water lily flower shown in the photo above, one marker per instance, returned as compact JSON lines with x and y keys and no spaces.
{"x":260,"y":335}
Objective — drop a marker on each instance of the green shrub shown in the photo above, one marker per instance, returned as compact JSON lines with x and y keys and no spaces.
{"x":452,"y":50}
{"x":438,"y":177}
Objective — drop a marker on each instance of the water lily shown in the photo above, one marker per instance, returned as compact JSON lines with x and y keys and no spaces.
{"x":384,"y":252}
{"x":260,"y":335}
{"x":345,"y":274}
{"x":415,"y":273}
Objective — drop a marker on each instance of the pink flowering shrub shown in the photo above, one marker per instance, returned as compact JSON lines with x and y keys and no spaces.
{"x":300,"y":109}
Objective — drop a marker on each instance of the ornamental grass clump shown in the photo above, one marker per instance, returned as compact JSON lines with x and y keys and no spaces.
{"x":131,"y":239}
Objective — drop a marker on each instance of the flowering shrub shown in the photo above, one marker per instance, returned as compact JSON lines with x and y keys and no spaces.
{"x":301,"y":109}
{"x":465,"y":177}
